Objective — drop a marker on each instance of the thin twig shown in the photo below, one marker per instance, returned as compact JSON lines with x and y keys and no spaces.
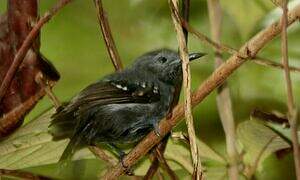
{"x":45,"y":85}
{"x":156,"y":151}
{"x":107,"y":36}
{"x":183,"y":52}
{"x":269,"y":63}
{"x":102,"y":155}
{"x":165,"y":165}
{"x":21,"y":53}
{"x":292,"y":110}
{"x":225,"y":48}
{"x":185,"y":10}
{"x":153,"y":168}
{"x":22,"y":174}
{"x":115,"y":59}
{"x":223,"y":98}
{"x":250,"y":49}
{"x":161,"y":147}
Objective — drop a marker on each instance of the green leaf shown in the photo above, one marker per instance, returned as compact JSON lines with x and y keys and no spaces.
{"x":180,"y":154}
{"x":258,"y":141}
{"x":284,"y":132}
{"x":32,"y":145}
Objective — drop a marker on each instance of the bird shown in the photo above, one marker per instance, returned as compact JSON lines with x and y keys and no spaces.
{"x":122,"y":107}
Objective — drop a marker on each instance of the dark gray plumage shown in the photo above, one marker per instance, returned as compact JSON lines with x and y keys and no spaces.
{"x":122,"y":107}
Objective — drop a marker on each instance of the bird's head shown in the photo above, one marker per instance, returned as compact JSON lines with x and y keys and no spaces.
{"x":164,"y":64}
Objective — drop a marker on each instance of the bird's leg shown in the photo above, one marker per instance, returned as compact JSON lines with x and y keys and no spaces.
{"x":156,"y":129}
{"x":121,"y":155}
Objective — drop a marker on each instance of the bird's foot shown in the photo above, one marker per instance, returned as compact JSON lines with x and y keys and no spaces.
{"x":121,"y":154}
{"x":156,"y":129}
{"x":128,"y":170}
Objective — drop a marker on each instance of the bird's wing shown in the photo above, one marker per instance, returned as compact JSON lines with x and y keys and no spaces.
{"x":102,"y":93}
{"x":65,"y":122}
{"x":98,"y":94}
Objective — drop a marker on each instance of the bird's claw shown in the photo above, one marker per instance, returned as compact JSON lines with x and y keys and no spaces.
{"x":128,"y":170}
{"x":156,"y":130}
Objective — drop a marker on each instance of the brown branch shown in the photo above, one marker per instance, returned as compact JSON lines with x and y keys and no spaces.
{"x":22,"y":174}
{"x":183,"y":52}
{"x":47,"y":87}
{"x":225,"y":48}
{"x":185,"y":10}
{"x":107,"y":36}
{"x":250,"y":49}
{"x":165,"y":165}
{"x":155,"y":158}
{"x":269,"y":63}
{"x":153,"y":168}
{"x":102,"y":155}
{"x":12,"y":118}
{"x":116,"y":61}
{"x":18,"y":59}
{"x":292,"y":110}
{"x":223,"y":98}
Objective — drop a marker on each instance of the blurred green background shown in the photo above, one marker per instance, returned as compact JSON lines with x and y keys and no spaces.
{"x":73,"y":42}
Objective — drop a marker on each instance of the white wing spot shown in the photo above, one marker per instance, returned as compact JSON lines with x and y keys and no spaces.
{"x":119,"y":86}
{"x":143,"y":85}
{"x":125,"y":88}
{"x":155,"y":89}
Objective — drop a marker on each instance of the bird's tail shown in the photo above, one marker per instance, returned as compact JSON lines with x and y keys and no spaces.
{"x":63,"y":124}
{"x":73,"y":145}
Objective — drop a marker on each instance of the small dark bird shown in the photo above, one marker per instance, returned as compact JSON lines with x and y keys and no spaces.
{"x":122,"y":107}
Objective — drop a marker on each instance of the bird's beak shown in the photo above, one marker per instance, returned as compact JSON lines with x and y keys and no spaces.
{"x":193,"y":56}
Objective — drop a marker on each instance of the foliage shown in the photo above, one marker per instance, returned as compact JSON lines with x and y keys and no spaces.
{"x":73,"y":43}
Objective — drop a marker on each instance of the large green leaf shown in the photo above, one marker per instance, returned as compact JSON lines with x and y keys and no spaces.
{"x":181,"y":154}
{"x":258,"y":141}
{"x":32,"y":145}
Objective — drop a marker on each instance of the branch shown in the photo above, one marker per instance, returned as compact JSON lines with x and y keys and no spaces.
{"x":22,"y":174}
{"x":223,"y":98}
{"x":43,"y":82}
{"x":165,"y":165}
{"x":11,"y":118}
{"x":102,"y":155}
{"x":269,"y":63}
{"x":18,"y":59}
{"x":155,"y":154}
{"x":185,"y":10}
{"x":250,"y":49}
{"x":153,"y":167}
{"x":183,"y":52}
{"x":292,"y":110}
{"x":225,"y":48}
{"x":107,"y":36}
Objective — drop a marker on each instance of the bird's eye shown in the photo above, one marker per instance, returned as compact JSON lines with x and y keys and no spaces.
{"x":162,"y":59}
